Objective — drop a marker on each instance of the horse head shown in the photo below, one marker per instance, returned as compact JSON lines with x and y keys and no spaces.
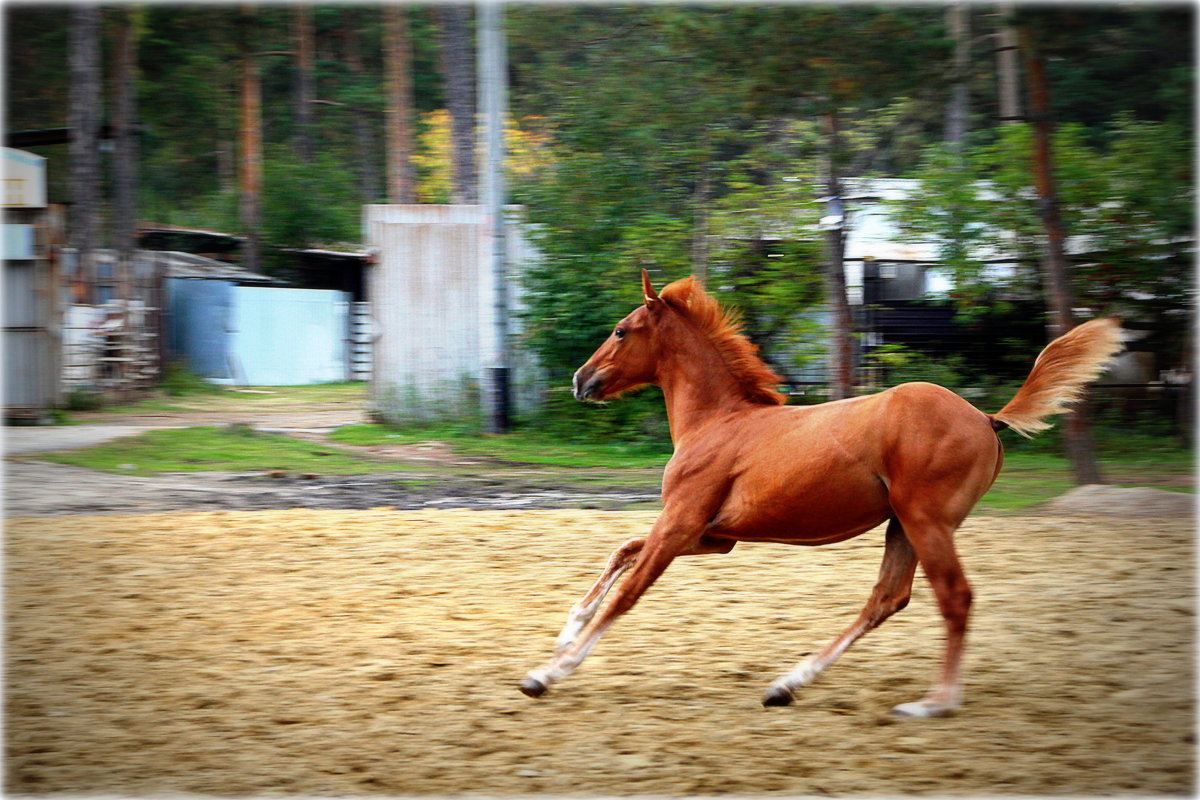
{"x":628,"y":359}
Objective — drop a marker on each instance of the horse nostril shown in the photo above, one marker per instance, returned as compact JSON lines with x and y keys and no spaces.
{"x":585,"y":383}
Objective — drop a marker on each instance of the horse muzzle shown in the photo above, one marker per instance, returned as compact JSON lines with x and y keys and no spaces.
{"x":588,"y":384}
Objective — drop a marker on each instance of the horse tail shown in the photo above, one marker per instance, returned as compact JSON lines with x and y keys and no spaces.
{"x":1059,"y":375}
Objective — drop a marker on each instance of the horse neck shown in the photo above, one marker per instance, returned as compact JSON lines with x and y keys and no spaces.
{"x":696,"y":382}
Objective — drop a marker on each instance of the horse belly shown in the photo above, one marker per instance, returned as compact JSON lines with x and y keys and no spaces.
{"x":803,"y":508}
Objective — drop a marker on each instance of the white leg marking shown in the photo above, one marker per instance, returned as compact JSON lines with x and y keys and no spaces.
{"x":809,"y":668}
{"x":582,"y":613}
{"x":941,"y":700}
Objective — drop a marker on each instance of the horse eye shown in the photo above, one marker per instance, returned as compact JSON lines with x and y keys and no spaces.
{"x":619,"y":333}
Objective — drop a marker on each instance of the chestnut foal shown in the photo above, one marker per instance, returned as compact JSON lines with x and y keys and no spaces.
{"x":747,"y":468}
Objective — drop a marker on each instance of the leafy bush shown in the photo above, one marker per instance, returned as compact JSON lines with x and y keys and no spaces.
{"x":84,"y":400}
{"x":638,"y":419}
{"x":179,"y":381}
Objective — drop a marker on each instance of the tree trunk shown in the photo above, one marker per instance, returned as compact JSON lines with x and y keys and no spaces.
{"x":702,"y":196}
{"x":85,"y":93}
{"x":1007,"y":71}
{"x":842,"y":333}
{"x":399,"y":115}
{"x":958,"y":24}
{"x":364,"y":135}
{"x":250,"y":173}
{"x":306,"y":84}
{"x":1077,"y":435}
{"x":458,"y":66}
{"x":126,"y":161}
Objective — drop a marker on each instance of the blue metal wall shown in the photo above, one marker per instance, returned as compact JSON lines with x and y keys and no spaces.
{"x":289,"y":337}
{"x":198,"y":331}
{"x":259,"y":336}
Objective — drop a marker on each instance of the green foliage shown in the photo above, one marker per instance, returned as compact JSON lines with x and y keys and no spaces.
{"x":1129,"y":203}
{"x":636,"y":420}
{"x":179,"y":381}
{"x":84,"y":400}
{"x":307,"y":204}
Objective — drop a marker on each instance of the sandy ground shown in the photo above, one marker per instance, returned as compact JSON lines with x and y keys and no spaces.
{"x":321,"y":652}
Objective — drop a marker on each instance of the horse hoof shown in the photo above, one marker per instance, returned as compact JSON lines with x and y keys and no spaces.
{"x":777,"y":696}
{"x":532,"y":687}
{"x":922,"y":709}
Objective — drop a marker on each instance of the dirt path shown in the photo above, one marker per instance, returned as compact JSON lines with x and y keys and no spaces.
{"x":377,"y":652}
{"x":42,"y":489}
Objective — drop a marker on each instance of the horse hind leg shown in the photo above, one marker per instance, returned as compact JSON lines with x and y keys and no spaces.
{"x":934,"y":545}
{"x":891,"y":593}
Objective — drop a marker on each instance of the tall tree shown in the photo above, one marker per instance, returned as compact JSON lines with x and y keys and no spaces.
{"x":958,"y":23}
{"x":1078,"y":439}
{"x":399,"y":117}
{"x":250,"y":136}
{"x":125,"y":132}
{"x":841,"y":356}
{"x":458,"y":66}
{"x":304,"y":38}
{"x":364,"y":130}
{"x":85,"y":115}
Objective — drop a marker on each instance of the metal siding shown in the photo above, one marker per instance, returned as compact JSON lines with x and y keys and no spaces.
{"x":25,"y":364}
{"x":289,"y":337}
{"x":425,"y":298}
{"x":200,"y":325}
{"x":30,"y":361}
{"x":432,"y":307}
{"x":24,"y":305}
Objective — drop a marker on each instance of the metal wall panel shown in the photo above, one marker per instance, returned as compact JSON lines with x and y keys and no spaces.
{"x":432,"y":298}
{"x":26,"y":361}
{"x":289,"y":337}
{"x":199,"y":328}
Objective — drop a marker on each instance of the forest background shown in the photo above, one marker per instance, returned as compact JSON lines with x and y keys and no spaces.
{"x":676,"y":138}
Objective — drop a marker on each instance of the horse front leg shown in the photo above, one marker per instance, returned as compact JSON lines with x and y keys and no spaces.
{"x":583,"y":611}
{"x":619,"y":562}
{"x":653,"y":556}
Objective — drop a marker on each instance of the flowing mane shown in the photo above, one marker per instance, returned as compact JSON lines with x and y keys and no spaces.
{"x":723,"y":327}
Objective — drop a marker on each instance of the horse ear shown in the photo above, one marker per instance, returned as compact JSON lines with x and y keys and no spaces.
{"x":648,"y":293}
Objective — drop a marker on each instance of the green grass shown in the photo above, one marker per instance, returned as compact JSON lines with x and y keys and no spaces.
{"x":525,"y":447}
{"x":1032,"y":478}
{"x":228,"y":449}
{"x":228,"y":399}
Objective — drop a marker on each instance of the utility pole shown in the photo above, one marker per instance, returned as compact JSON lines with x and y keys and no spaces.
{"x":493,"y":77}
